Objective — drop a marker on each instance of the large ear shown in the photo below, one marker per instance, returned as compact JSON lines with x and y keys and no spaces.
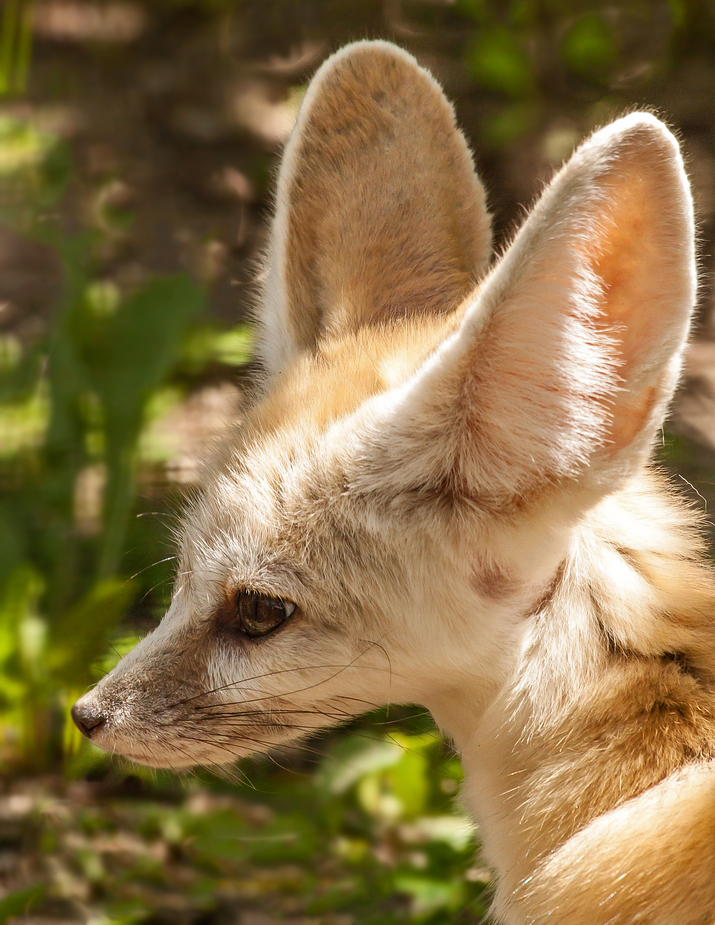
{"x":566,"y":357}
{"x":378,"y":209}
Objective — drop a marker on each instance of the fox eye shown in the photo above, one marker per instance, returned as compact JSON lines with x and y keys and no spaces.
{"x":259,"y":615}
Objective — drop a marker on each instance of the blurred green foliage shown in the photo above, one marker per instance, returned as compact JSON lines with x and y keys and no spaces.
{"x":499,"y":62}
{"x":525,"y":55}
{"x":589,"y":47}
{"x":75,"y":398}
{"x":371,"y":831}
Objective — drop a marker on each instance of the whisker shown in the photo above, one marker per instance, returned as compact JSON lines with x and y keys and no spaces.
{"x":241,"y":681}
{"x":257,"y":677}
{"x":212,"y":743}
{"x":336,"y":714}
{"x":152,"y":565}
{"x":227,"y":714}
{"x":401,"y":719}
{"x":279,"y":727}
{"x":152,"y":589}
{"x":216,"y":740}
{"x":370,"y":703}
{"x":389,"y":665}
{"x":166,"y":514}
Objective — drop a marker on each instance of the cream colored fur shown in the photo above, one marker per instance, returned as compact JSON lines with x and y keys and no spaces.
{"x":448,"y":473}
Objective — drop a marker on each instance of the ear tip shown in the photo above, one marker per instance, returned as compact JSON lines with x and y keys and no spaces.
{"x":367,"y":50}
{"x":642,"y":145}
{"x":376,"y":64}
{"x":363,"y":75}
{"x":640,"y":131}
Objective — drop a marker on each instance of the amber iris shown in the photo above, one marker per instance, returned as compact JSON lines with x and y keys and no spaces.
{"x":259,"y":615}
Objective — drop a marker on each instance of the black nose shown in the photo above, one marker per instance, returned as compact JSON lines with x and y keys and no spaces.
{"x":88,"y":718}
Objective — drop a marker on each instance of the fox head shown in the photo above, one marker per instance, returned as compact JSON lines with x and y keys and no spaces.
{"x":429,"y":433}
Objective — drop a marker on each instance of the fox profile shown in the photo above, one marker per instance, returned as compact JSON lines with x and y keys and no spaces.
{"x":442,"y":494}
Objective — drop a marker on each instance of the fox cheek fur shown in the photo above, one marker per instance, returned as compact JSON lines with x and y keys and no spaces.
{"x":442,"y":494}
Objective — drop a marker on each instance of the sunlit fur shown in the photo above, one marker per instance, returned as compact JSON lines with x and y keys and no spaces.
{"x":448,"y":473}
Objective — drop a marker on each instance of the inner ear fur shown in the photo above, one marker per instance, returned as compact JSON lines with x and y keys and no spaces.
{"x":568,"y":354}
{"x":379,"y":213}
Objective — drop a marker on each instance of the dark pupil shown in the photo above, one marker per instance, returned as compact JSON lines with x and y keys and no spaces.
{"x":259,"y":615}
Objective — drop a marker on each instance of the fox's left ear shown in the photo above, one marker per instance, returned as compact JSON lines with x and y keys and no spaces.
{"x":379,"y":212}
{"x":567,"y":356}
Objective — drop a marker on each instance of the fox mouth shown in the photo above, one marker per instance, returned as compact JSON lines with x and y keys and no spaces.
{"x":179,"y":746}
{"x":202,"y":727}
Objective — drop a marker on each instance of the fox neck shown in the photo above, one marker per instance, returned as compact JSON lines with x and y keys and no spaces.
{"x":632,"y":590}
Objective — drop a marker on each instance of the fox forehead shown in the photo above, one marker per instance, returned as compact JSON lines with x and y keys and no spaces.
{"x":334,"y":380}
{"x":275,"y":514}
{"x":284,"y":434}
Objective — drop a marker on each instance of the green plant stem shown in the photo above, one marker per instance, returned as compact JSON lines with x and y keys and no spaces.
{"x":24,"y":48}
{"x":15,"y":46}
{"x":10,"y":19}
{"x":119,"y":494}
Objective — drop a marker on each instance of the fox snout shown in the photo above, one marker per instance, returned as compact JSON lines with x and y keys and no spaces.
{"x":134,"y":716}
{"x":146,"y":699}
{"x":88,"y":715}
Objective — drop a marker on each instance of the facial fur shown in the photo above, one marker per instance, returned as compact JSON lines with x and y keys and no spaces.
{"x":283,"y":515}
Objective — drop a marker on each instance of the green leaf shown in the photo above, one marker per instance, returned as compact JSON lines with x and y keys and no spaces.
{"x":18,"y":602}
{"x":355,"y":757}
{"x":589,"y":47}
{"x":233,"y":347}
{"x":13,"y":543}
{"x":81,"y":634}
{"x":20,"y":902}
{"x":455,"y":831}
{"x":142,"y":341}
{"x":409,"y":782}
{"x":21,"y":144}
{"x":499,"y":63}
{"x":289,"y":838}
{"x":505,"y":126}
{"x":429,"y":895}
{"x":134,"y":351}
{"x":130,"y":912}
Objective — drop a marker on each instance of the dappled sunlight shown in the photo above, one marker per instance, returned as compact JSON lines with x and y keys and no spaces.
{"x":108,"y":23}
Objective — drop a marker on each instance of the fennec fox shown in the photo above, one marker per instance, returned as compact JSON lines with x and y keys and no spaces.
{"x":442,"y":495}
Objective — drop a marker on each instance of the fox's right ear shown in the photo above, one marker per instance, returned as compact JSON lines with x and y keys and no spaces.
{"x":378,"y":210}
{"x":561,"y":370}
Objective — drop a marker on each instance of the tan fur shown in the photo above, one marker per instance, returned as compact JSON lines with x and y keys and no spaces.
{"x":458,"y":500}
{"x":374,"y":116}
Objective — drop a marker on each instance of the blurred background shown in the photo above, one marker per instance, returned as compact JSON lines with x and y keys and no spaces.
{"x":138,"y":142}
